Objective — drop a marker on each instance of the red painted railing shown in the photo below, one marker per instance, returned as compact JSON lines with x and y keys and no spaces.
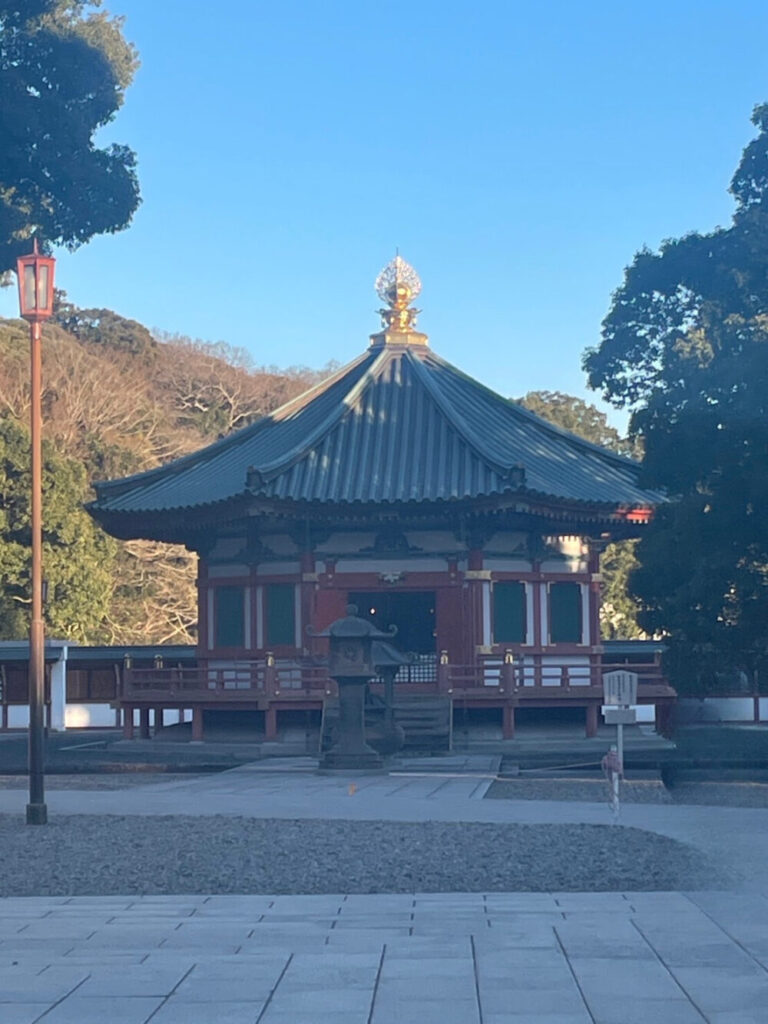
{"x":295,"y":680}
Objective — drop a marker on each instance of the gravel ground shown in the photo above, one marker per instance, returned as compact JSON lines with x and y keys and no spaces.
{"x":715,"y":794}
{"x":651,"y":791}
{"x":92,"y":780}
{"x":101,"y":855}
{"x":721,"y":794}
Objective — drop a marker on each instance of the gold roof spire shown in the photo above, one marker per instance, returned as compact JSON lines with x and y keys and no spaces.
{"x":398,"y":285}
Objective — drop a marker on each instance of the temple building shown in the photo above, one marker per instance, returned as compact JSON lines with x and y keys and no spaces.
{"x":407,"y":488}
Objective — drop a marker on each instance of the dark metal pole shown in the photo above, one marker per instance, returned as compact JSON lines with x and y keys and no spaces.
{"x":37,"y":812}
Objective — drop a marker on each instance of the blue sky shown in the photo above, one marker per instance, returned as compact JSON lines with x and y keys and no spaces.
{"x":517,"y":153}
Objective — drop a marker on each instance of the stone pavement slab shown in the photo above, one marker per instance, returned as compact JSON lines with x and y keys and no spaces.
{"x":565,"y":958}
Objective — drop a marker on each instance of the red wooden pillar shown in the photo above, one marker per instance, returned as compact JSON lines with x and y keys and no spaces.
{"x":158,"y":719}
{"x":330,"y":604}
{"x":308,"y":585}
{"x":128,"y":722}
{"x":540,"y":631}
{"x":144,"y":723}
{"x":270,"y":723}
{"x":475,"y":578}
{"x":197,"y":725}
{"x":202,"y":609}
{"x":449,"y":615}
{"x":591,"y":720}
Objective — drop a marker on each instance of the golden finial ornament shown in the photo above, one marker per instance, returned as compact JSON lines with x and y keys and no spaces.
{"x":398,"y":285}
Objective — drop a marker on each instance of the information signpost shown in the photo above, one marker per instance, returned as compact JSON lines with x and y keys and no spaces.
{"x":619,"y":694}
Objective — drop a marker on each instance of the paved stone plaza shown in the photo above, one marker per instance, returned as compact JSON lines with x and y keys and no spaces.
{"x":560,"y":958}
{"x":614,"y":958}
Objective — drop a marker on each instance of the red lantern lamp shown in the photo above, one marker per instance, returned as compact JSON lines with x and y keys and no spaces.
{"x":35,"y":273}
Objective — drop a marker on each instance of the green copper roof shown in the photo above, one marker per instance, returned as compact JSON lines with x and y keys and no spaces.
{"x":398,"y":424}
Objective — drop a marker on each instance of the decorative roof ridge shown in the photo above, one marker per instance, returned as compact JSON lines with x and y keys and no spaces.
{"x":271,"y":469}
{"x":300,"y":401}
{"x":480,"y":446}
{"x":113,"y":488}
{"x":516,"y":407}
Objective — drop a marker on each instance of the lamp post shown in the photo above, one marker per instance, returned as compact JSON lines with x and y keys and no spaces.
{"x":35,"y":273}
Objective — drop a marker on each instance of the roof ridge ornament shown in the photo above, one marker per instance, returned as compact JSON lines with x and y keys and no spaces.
{"x":398,"y":285}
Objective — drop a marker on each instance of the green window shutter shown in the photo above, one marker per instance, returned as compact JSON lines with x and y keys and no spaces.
{"x":565,"y":613}
{"x":229,"y":612}
{"x":281,"y":614}
{"x":509,"y":618}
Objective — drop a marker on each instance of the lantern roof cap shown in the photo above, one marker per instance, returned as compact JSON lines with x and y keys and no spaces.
{"x":384,"y":655}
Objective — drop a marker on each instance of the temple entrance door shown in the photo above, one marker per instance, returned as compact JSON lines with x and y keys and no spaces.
{"x":412,"y":611}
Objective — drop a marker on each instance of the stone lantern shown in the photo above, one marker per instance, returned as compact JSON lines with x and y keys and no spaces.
{"x":351,"y":664}
{"x":388,"y":661}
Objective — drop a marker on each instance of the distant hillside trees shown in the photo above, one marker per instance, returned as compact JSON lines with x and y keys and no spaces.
{"x":618,"y":610}
{"x":117,"y":400}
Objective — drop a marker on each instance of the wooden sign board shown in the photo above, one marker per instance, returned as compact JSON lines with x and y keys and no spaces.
{"x":620,"y":716}
{"x":620,"y":688}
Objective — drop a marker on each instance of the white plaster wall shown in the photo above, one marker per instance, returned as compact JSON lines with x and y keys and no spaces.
{"x":281,"y":544}
{"x":504,"y":541}
{"x":76,"y":716}
{"x":501,"y":564}
{"x":90,"y":716}
{"x":399,"y":564}
{"x":435,"y":540}
{"x":346,"y":543}
{"x":58,"y":694}
{"x":219,"y":572}
{"x":585,"y":617}
{"x":550,"y":669}
{"x":486,"y":591}
{"x":227,"y":547}
{"x":564,"y":565}
{"x":277,"y":568}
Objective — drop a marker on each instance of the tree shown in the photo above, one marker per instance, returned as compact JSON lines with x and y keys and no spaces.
{"x":116,"y":401}
{"x":685,"y":348}
{"x":618,"y":610}
{"x":77,"y":555}
{"x":216,"y":389}
{"x":104,"y":327}
{"x":64,"y":67}
{"x":578,"y":417}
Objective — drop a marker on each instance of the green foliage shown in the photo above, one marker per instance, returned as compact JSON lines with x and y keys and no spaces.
{"x":618,"y":610}
{"x":115,"y":401}
{"x":103,"y":327}
{"x":685,"y":347}
{"x":77,"y":556}
{"x":578,"y":417}
{"x":618,"y":607}
{"x":64,"y":67}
